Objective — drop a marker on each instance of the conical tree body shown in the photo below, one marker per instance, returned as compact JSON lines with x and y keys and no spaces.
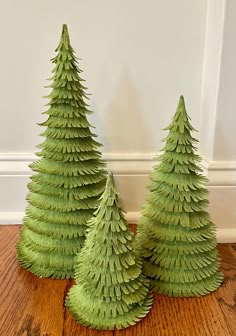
{"x":69,"y":177}
{"x":111,"y":291}
{"x":176,"y":237}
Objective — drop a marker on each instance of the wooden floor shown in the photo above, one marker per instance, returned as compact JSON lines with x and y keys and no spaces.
{"x":30,"y":306}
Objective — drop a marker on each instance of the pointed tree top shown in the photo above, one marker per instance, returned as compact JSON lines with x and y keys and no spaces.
{"x":65,"y":33}
{"x":181,"y":119}
{"x":110,"y":186}
{"x":181,"y":100}
{"x":181,"y":109}
{"x":110,"y":178}
{"x":65,"y":38}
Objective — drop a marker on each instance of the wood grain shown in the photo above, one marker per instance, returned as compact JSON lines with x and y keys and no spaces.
{"x":226,"y":294}
{"x":30,"y":306}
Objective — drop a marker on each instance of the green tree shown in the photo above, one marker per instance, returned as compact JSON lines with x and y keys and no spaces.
{"x":111,"y":291}
{"x":69,"y":177}
{"x":176,"y":237}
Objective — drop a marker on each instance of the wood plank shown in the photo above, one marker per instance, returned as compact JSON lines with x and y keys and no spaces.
{"x":71,"y":328}
{"x":181,"y":316}
{"x":34,"y":306}
{"x":29,"y":305}
{"x":226,"y":294}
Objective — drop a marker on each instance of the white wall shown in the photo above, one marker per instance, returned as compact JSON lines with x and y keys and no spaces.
{"x":211,"y":75}
{"x":137,"y":58}
{"x":225,"y":132}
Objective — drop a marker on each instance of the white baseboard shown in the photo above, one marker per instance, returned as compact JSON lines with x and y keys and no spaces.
{"x":223,"y":235}
{"x":132,"y":217}
{"x":7,"y":218}
{"x":226,"y":235}
{"x":219,"y":172}
{"x":131,"y":172}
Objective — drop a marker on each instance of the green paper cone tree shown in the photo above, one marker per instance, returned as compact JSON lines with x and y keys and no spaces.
{"x":176,"y":237}
{"x":69,"y":176}
{"x":111,"y":291}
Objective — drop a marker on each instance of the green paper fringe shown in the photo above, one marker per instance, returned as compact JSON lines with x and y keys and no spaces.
{"x":70,"y":157}
{"x":65,"y":133}
{"x":70,"y":176}
{"x":59,"y":204}
{"x":99,"y":315}
{"x":45,"y":264}
{"x":69,"y":145}
{"x":172,"y":232}
{"x":111,"y":291}
{"x":71,"y":194}
{"x":76,"y":218}
{"x":189,"y":289}
{"x":176,"y":238}
{"x":55,"y":231}
{"x":69,"y":181}
{"x":85,"y":167}
{"x":57,"y":122}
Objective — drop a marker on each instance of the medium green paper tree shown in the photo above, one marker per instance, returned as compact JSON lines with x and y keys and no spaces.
{"x":111,"y":291}
{"x":176,"y":237}
{"x":69,"y":178}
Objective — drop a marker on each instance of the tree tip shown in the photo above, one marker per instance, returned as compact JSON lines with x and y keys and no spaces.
{"x":181,"y":98}
{"x":110,"y":178}
{"x":65,"y":30}
{"x":64,"y":26}
{"x":181,"y":104}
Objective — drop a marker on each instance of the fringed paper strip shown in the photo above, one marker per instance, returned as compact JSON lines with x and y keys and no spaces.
{"x":176,"y":237}
{"x":111,"y":291}
{"x":69,"y":177}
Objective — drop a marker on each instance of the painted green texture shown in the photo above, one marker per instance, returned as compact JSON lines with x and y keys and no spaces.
{"x":111,"y":291}
{"x":68,"y":178}
{"x":176,"y":237}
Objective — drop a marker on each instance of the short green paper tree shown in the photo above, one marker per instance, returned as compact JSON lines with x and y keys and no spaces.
{"x":69,"y":178}
{"x":176,"y":237}
{"x":111,"y":291}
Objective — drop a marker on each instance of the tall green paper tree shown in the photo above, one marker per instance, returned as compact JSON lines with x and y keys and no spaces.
{"x":111,"y":291}
{"x":69,"y":177}
{"x":176,"y":237}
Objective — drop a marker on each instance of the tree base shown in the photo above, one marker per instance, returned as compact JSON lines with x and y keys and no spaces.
{"x":34,"y":262}
{"x":92,"y":317}
{"x":188,"y":289}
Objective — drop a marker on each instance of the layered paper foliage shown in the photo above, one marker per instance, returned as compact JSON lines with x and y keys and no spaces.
{"x":111,"y":291}
{"x":176,"y":237}
{"x":69,"y":177}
